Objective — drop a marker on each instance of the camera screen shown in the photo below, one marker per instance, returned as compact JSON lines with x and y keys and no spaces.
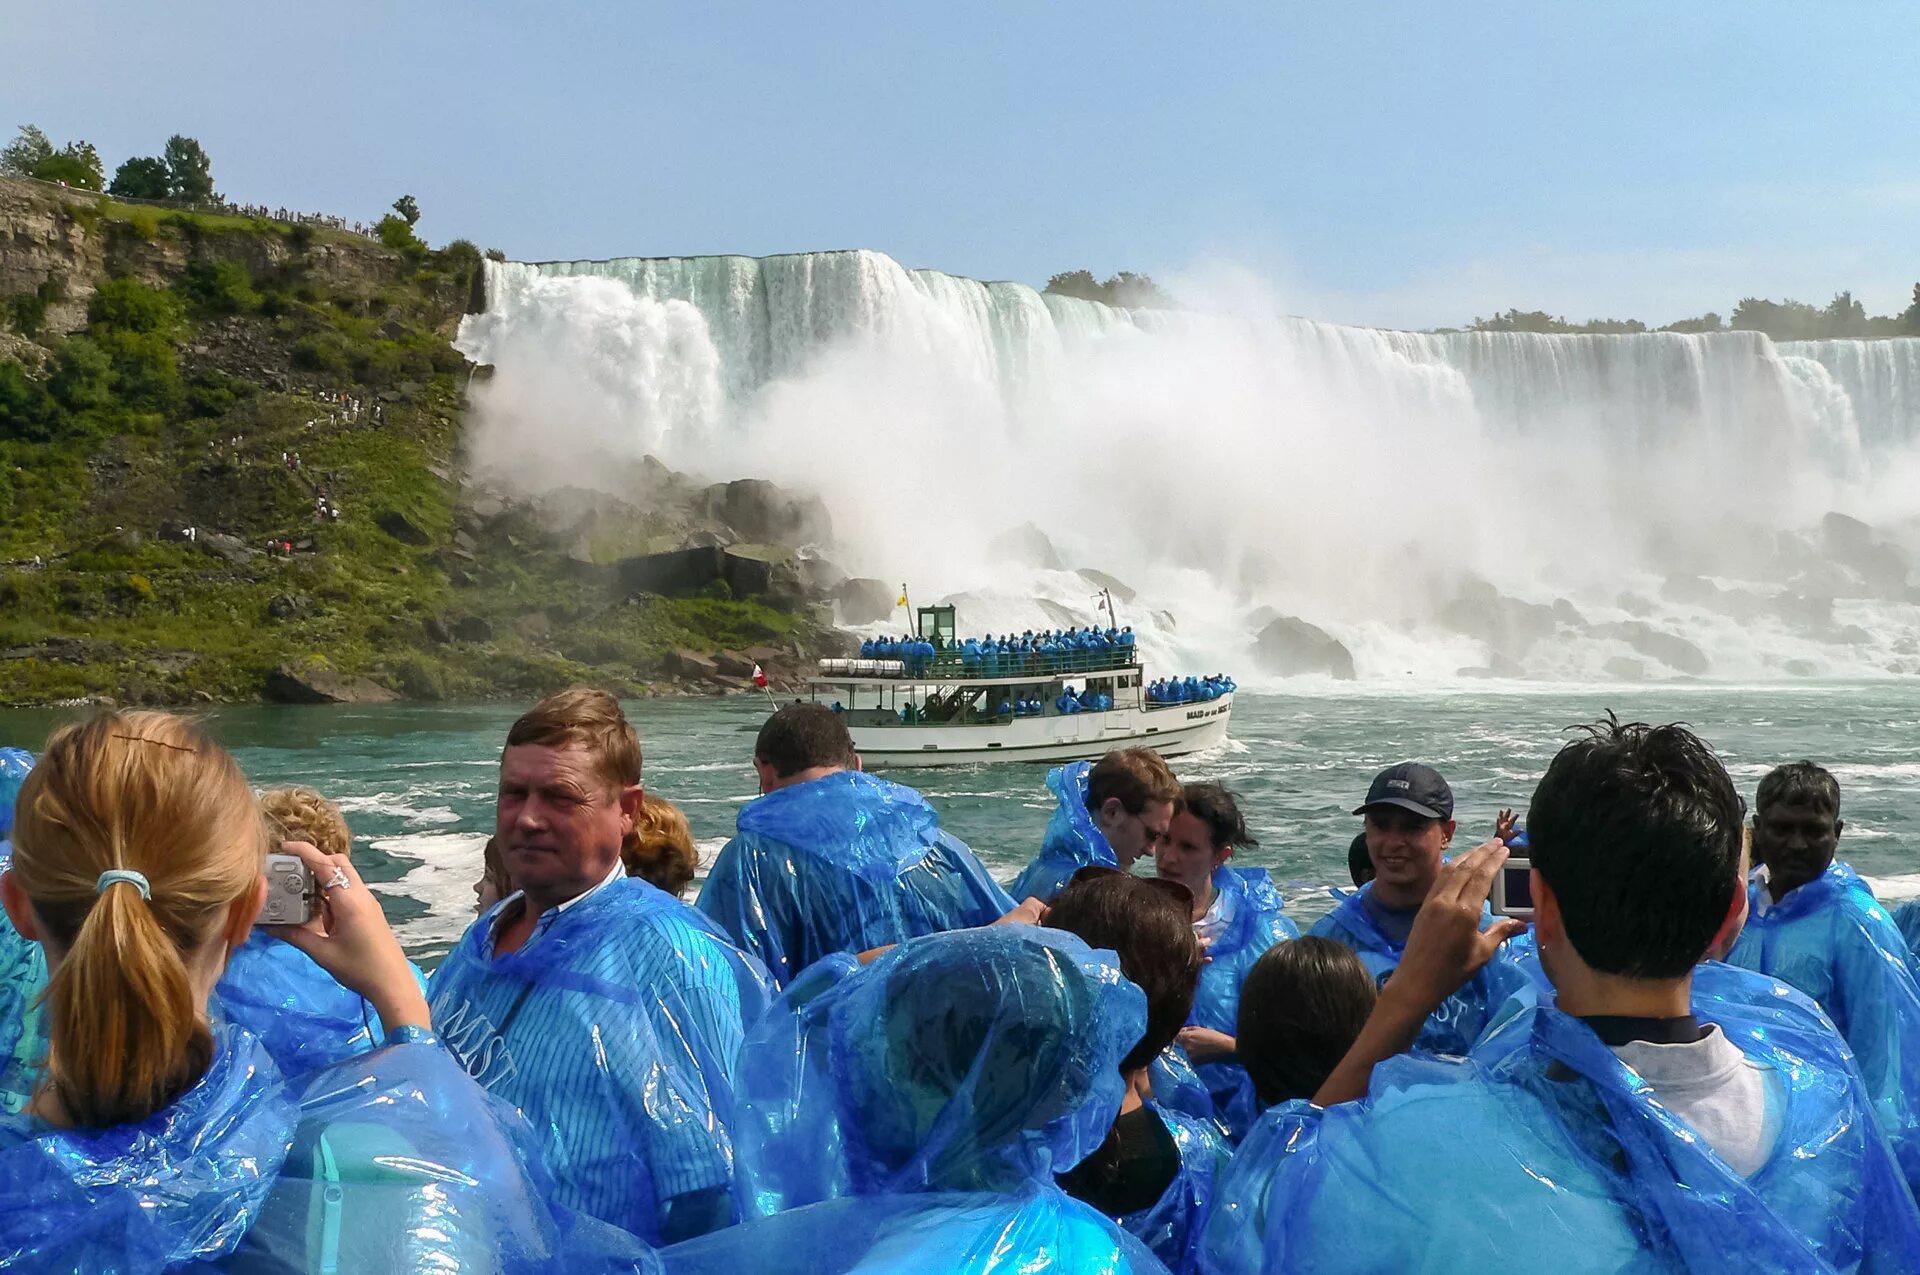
{"x":1517,"y":884}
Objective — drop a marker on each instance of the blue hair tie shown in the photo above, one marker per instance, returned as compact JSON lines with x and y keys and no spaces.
{"x":117,"y":876}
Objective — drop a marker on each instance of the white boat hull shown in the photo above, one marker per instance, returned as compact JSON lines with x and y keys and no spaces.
{"x":1172,"y":730}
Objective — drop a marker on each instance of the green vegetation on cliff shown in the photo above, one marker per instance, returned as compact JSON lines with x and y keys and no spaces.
{"x":229,"y":446}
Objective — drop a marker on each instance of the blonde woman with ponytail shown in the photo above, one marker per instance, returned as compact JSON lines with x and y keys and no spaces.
{"x":159,"y":1134}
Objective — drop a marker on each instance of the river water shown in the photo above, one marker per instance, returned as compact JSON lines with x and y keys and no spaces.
{"x":417,"y":782}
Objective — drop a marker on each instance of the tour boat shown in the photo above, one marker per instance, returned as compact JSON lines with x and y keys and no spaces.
{"x":950,"y":706}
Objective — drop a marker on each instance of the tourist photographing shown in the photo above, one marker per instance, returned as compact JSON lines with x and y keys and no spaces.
{"x":1628,"y":1123}
{"x":1154,"y":1172}
{"x":833,"y":860}
{"x":160,"y":1136}
{"x":1237,"y":916}
{"x":1107,"y":815}
{"x":1814,"y":924}
{"x":1409,"y":825}
{"x":607,"y":1012}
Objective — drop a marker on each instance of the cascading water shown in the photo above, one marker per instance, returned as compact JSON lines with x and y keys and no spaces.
{"x":1233,"y":464}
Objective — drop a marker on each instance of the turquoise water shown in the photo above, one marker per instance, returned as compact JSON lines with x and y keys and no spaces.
{"x":417,"y":782}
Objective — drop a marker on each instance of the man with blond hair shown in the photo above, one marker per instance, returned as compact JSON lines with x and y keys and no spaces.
{"x":609,"y":1013}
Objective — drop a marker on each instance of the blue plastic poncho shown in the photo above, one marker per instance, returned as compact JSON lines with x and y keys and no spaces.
{"x":1549,"y":1150}
{"x":1244,"y":921}
{"x":391,"y":1161}
{"x":1072,"y":841}
{"x":1463,"y":1017}
{"x":614,"y":1028}
{"x":23,"y":1022}
{"x":296,"y":1009}
{"x":1177,"y":1087}
{"x":843,"y":863}
{"x":963,"y":1068}
{"x":1172,"y":1225}
{"x":1907,"y":918}
{"x":1834,"y":942}
{"x":14,"y":765}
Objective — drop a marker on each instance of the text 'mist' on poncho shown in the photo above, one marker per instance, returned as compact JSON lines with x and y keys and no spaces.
{"x":1463,"y":1017}
{"x":1072,"y":840}
{"x":910,"y":1115}
{"x":1834,"y":942}
{"x":1248,"y":908}
{"x":391,"y":1161}
{"x":843,"y":863}
{"x":614,"y":1028}
{"x":1545,"y":1152}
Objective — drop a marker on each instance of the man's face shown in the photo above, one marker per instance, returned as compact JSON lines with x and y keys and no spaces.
{"x":1133,"y":835}
{"x":1796,"y":840}
{"x":1187,"y":855}
{"x":559,"y":823}
{"x":1405,"y":849}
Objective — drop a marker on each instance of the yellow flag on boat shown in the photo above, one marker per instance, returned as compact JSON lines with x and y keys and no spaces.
{"x":903,"y":598}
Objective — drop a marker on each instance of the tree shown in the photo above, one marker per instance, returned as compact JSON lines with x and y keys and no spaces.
{"x":25,"y":152}
{"x":1910,"y":317}
{"x":1076,"y":283}
{"x":142,"y":177}
{"x":1123,"y":289}
{"x":409,"y":210}
{"x":1708,"y":322}
{"x":189,"y":171}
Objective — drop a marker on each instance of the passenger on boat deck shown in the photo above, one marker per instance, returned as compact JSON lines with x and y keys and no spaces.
{"x":1105,"y":815}
{"x":164,"y":1137}
{"x":1237,"y":916}
{"x":1409,"y":821}
{"x":1154,"y":1172}
{"x":608,"y":1012}
{"x":1696,"y":1133}
{"x":1302,"y":1006}
{"x":660,"y":849}
{"x":833,"y":860}
{"x":1814,"y":924}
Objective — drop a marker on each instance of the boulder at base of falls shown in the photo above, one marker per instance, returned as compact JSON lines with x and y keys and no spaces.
{"x":1497,"y":665}
{"x":323,"y":686}
{"x":1624,"y":668}
{"x":1024,"y":546}
{"x":1101,"y":580}
{"x":864,"y":601}
{"x":1670,"y":649}
{"x":1505,"y":624}
{"x":1290,"y":647}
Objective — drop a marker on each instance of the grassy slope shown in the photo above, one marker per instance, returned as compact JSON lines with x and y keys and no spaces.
{"x":162,"y":621}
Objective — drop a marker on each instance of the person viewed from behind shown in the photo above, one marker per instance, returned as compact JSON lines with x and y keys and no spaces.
{"x":14,"y":765}
{"x":493,"y":883}
{"x":23,"y":970}
{"x":1154,"y":1172}
{"x":1301,"y":1009}
{"x":1108,"y":815}
{"x":1813,"y":924}
{"x":610,"y":1014}
{"x":1625,"y":1124}
{"x":299,"y":1013}
{"x":910,"y":1115}
{"x":833,"y":860}
{"x":1237,"y":917}
{"x":661,"y":849}
{"x":161,"y":1137}
{"x":1409,"y":825}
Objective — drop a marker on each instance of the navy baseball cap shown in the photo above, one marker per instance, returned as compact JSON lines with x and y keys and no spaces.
{"x":1411,"y":786}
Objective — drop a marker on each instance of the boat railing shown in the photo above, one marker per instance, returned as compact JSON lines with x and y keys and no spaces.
{"x":957,"y":666}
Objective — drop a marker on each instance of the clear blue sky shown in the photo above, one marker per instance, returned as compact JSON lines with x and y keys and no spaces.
{"x":1398,"y":163}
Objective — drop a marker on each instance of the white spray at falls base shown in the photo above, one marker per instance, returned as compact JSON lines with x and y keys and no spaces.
{"x":1553,"y":507}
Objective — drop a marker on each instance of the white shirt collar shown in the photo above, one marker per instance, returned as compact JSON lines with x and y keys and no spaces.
{"x":619,"y":870}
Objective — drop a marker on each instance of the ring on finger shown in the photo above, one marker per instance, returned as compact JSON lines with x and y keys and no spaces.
{"x":338,"y":881}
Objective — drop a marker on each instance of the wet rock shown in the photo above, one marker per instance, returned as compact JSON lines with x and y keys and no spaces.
{"x":1624,"y":668}
{"x":692,"y":665}
{"x":820,"y":576}
{"x":1497,"y":665}
{"x":1101,"y":580}
{"x":865,"y":601}
{"x":1291,"y":647}
{"x":1024,"y":546}
{"x":282,"y":606}
{"x":759,"y":511}
{"x":734,"y":664}
{"x":285,"y":685}
{"x":227,"y":548}
{"x":472,"y":629}
{"x":402,"y":528}
{"x":1670,"y":649}
{"x":1801,"y":668}
{"x":1505,"y":624}
{"x":1690,"y":591}
{"x":1634,"y":604}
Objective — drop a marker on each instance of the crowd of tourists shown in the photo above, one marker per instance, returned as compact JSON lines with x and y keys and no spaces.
{"x":1189,"y":690}
{"x":1054,"y":651}
{"x":1688,"y":1040}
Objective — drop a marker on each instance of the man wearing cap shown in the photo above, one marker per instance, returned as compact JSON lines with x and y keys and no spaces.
{"x":1409,"y":824}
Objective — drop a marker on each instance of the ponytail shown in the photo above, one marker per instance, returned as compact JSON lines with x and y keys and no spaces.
{"x":147,"y":795}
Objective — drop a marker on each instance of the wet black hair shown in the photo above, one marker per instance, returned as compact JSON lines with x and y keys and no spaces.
{"x":1301,"y":1009}
{"x":1217,"y":807}
{"x":1148,"y":922}
{"x":1799,"y":783}
{"x":802,"y":736}
{"x":1637,"y":830}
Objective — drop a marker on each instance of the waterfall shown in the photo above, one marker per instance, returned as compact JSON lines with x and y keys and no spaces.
{"x":1232,"y":462}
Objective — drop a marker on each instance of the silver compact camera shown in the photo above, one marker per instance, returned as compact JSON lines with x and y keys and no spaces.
{"x":292,"y":896}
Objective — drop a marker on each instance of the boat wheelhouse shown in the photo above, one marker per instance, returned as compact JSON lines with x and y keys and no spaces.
{"x":947,"y":702}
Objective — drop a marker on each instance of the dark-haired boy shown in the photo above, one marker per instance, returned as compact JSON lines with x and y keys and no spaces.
{"x":1624,"y":1125}
{"x":833,"y":860}
{"x":1816,"y":925}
